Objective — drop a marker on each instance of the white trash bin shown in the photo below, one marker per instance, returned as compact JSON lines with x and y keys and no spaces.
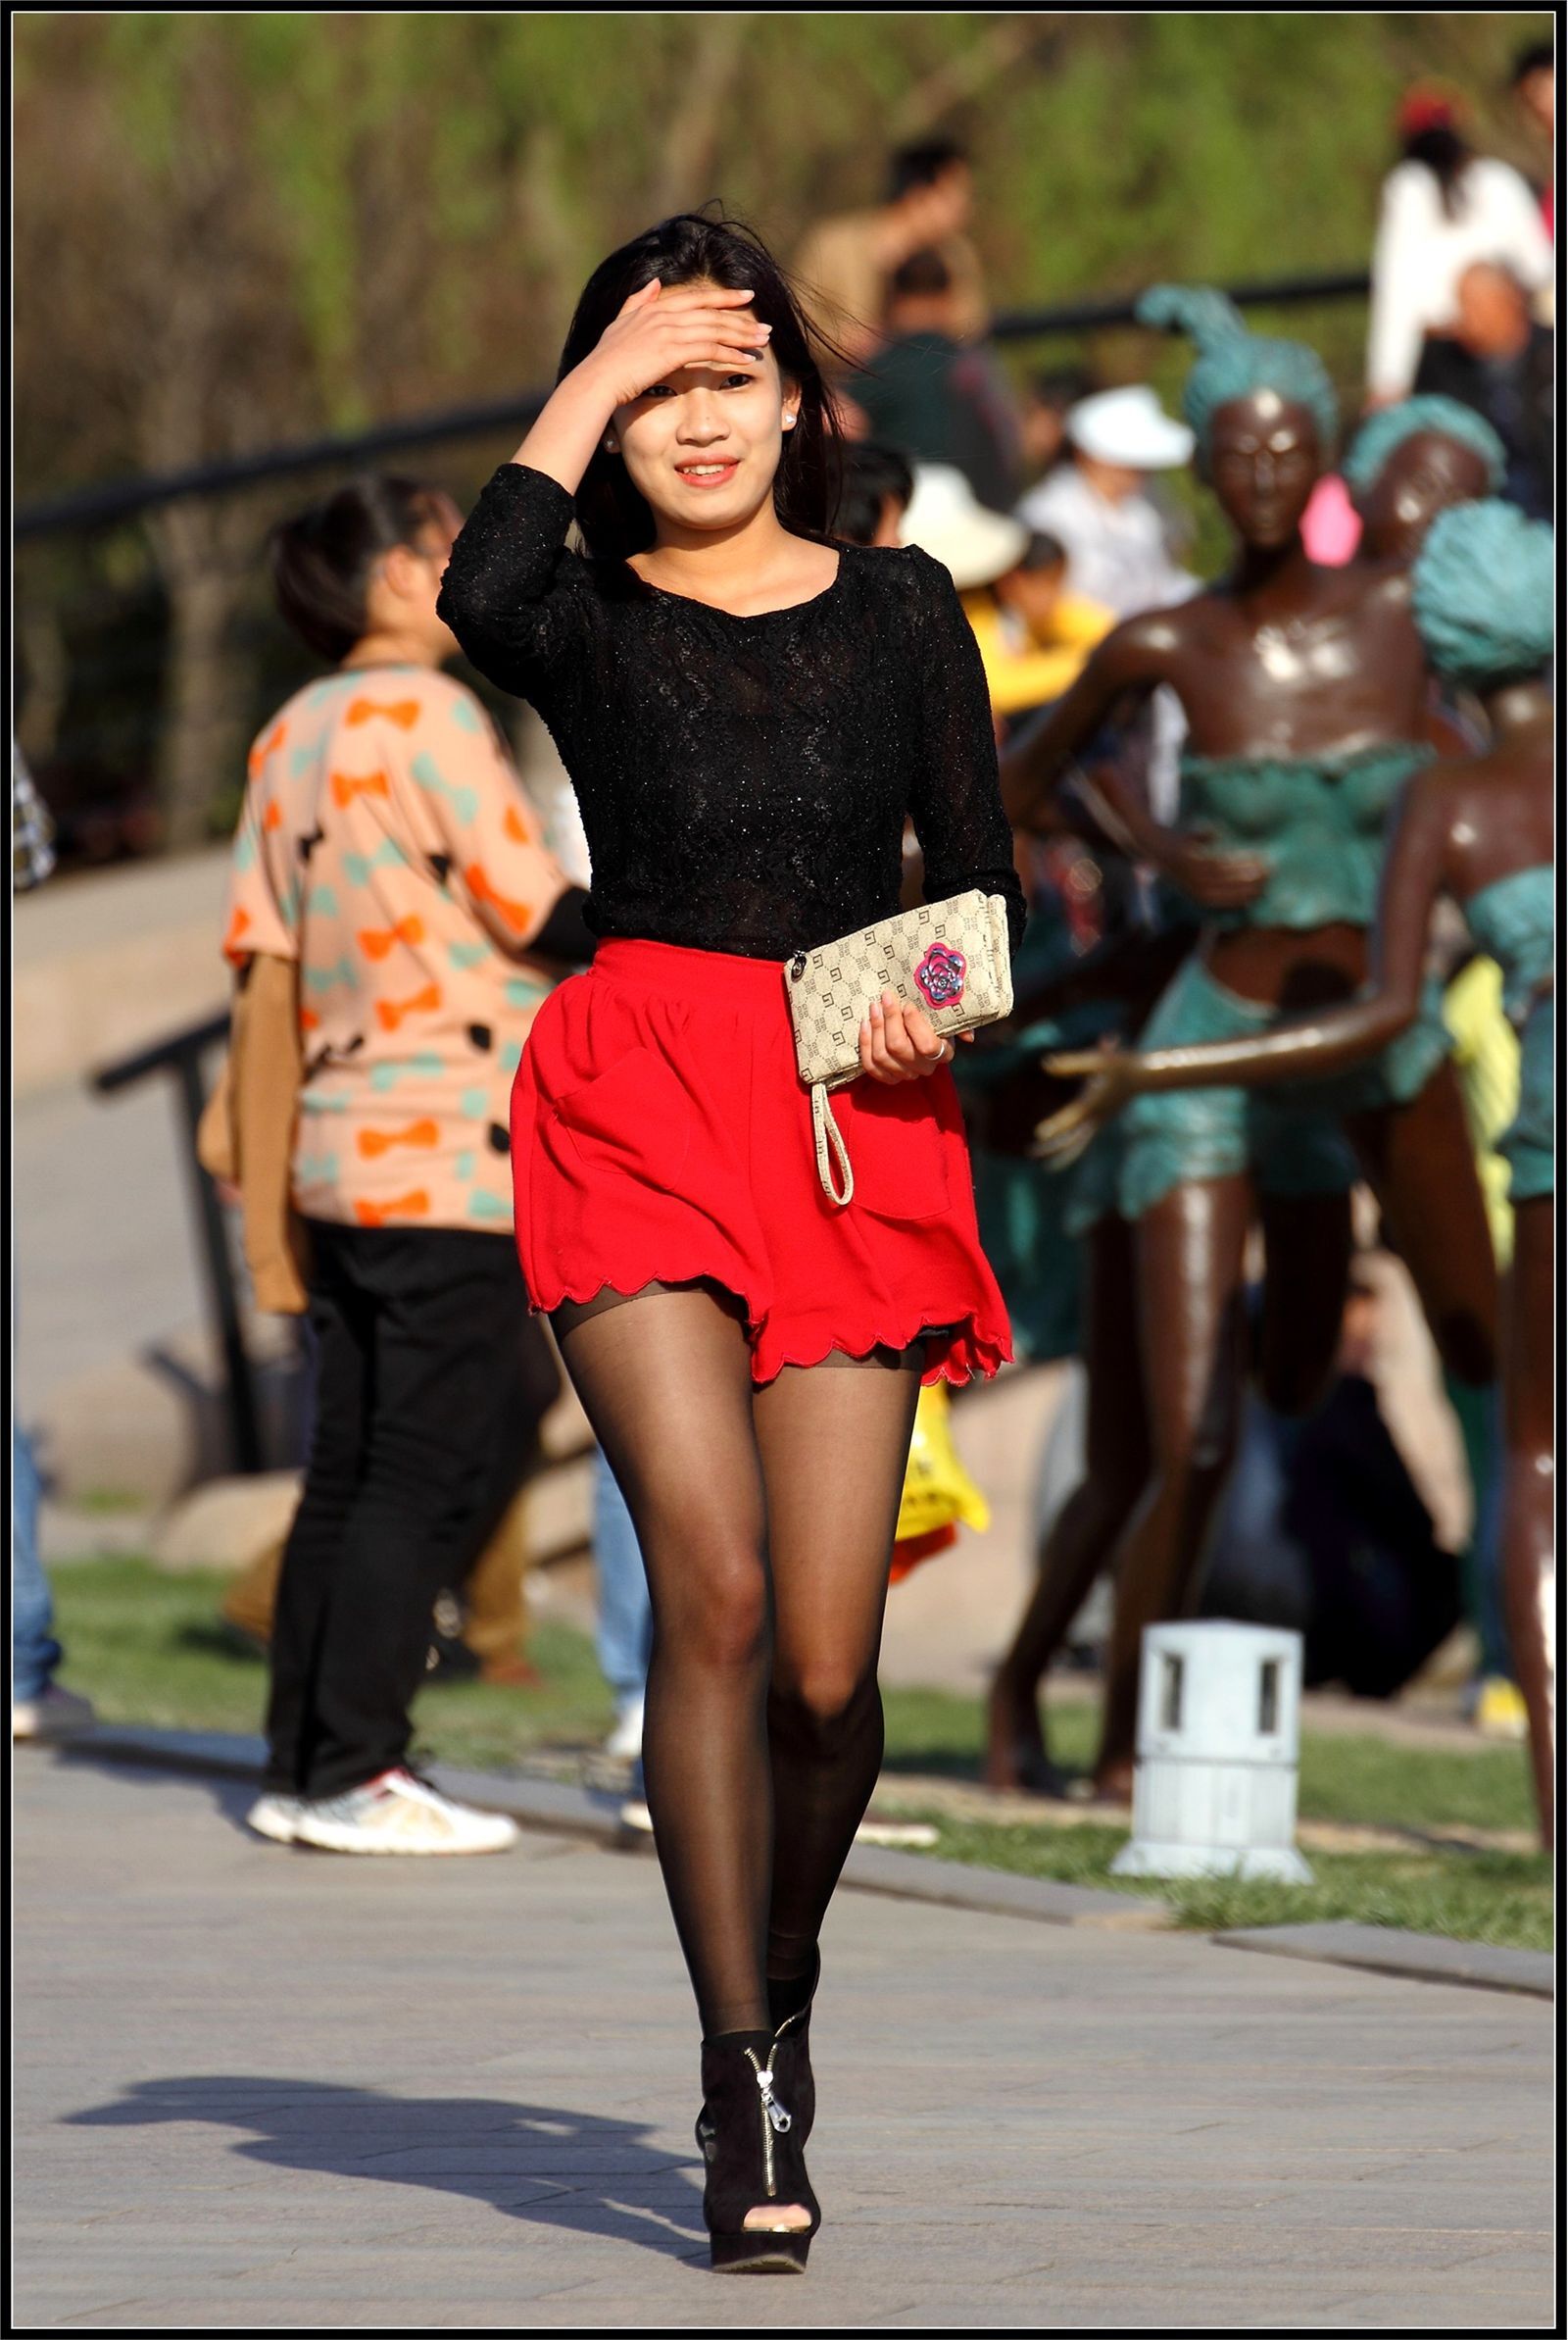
{"x":1218,"y":1727}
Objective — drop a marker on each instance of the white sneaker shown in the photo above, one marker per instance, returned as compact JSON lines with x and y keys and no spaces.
{"x":399,"y":1813}
{"x":626,"y":1738}
{"x":55,"y":1714}
{"x":276,"y":1817}
{"x":635,"y":1815}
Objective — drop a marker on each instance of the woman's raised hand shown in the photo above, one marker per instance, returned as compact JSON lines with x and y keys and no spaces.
{"x":899,"y":1042}
{"x":658,"y":331}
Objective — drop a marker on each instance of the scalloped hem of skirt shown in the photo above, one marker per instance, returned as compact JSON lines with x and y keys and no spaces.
{"x":968,"y":1352}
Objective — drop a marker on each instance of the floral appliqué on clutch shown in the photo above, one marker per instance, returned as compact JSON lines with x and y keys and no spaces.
{"x":940,"y":974}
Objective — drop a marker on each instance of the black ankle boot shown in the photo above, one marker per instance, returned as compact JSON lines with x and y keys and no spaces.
{"x":789,"y":2005}
{"x":745,"y":2131}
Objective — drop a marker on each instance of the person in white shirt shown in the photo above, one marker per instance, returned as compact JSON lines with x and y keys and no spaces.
{"x":1442,"y":208}
{"x":1100,"y":506}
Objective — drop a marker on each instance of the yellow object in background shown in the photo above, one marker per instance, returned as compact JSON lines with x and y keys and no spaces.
{"x":1486,"y":1057}
{"x":938,"y":1491}
{"x":1023,"y":670}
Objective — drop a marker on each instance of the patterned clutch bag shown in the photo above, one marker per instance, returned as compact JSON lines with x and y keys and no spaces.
{"x":951,"y":957}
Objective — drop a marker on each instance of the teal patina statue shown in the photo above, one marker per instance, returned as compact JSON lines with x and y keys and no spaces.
{"x":1481,"y":831}
{"x":1306,"y":697}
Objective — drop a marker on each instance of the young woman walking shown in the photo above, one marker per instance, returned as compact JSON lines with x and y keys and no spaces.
{"x":747,"y":711}
{"x":393,"y":904}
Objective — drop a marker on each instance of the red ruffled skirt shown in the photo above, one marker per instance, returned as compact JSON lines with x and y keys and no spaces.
{"x":660,"y":1131}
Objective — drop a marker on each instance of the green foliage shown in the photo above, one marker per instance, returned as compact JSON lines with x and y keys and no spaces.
{"x":468,"y":167}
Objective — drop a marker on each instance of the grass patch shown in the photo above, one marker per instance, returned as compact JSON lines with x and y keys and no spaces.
{"x":1365,"y":1782}
{"x":148,"y":1648}
{"x":1504,"y":1898}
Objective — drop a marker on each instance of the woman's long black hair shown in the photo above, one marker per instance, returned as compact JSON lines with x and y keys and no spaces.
{"x":693,"y":248}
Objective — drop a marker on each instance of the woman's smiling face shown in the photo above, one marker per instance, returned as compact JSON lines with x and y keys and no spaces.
{"x":701,"y":447}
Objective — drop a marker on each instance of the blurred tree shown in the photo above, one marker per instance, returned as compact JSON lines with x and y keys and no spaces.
{"x":236,"y":229}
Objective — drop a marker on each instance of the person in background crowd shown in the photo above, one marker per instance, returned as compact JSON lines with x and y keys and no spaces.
{"x":1323,"y":1530}
{"x":1034,"y":635}
{"x":1534,"y":82}
{"x":1442,"y":207}
{"x":41,"y":1707}
{"x":1500,"y":360}
{"x":1049,"y":397}
{"x":1097,"y":505}
{"x":843,"y":266}
{"x":1101,"y":506}
{"x":923,"y":390}
{"x":874,"y":494}
{"x":389,"y":879}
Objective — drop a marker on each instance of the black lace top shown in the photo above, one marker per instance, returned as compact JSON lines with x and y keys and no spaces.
{"x":743,"y":782}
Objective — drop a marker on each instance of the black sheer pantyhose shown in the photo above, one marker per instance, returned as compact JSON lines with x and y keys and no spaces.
{"x":766,"y":1520}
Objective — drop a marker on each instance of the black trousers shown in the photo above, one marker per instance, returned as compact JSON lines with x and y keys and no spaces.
{"x":431,"y":1378}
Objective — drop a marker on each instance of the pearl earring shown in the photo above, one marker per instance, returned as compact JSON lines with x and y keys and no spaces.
{"x":612,"y":446}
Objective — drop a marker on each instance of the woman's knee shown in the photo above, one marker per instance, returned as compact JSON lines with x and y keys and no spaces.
{"x":823,"y":1698}
{"x":715,"y":1607}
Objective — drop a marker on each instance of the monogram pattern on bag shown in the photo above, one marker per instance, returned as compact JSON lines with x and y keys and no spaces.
{"x":831,"y":987}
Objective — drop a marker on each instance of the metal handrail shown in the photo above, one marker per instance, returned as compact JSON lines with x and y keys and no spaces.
{"x":181,"y":1056}
{"x":97,"y":507}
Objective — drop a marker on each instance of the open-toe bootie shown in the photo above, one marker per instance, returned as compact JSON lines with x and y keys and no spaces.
{"x":790,"y":2008}
{"x":748,"y":2140}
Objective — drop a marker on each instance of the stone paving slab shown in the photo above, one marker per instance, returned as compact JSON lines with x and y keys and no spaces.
{"x":563,"y":1806}
{"x":1422,"y":1957}
{"x":260,"y":2088}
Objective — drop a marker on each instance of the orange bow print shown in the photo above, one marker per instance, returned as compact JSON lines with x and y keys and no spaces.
{"x":375,"y":1142}
{"x":237,"y":924}
{"x":264,"y":747}
{"x":390,"y":1013}
{"x":376,"y":941}
{"x":403,"y":711}
{"x":516,"y":914}
{"x":518,"y":828}
{"x":347,"y":785}
{"x":406,"y":1206}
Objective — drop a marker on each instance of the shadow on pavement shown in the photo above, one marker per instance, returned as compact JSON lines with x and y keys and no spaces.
{"x":577,"y":2171}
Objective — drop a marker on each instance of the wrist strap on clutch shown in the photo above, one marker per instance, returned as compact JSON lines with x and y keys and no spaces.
{"x":827,"y":1133}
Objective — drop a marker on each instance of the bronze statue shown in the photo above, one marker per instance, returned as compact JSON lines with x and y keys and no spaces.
{"x":1306,"y":696}
{"x":1481,"y":832}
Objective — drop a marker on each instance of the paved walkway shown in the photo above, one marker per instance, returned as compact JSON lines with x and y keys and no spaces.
{"x":262,"y":2088}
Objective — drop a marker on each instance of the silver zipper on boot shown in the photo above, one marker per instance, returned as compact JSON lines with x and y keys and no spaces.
{"x":774,"y":2116}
